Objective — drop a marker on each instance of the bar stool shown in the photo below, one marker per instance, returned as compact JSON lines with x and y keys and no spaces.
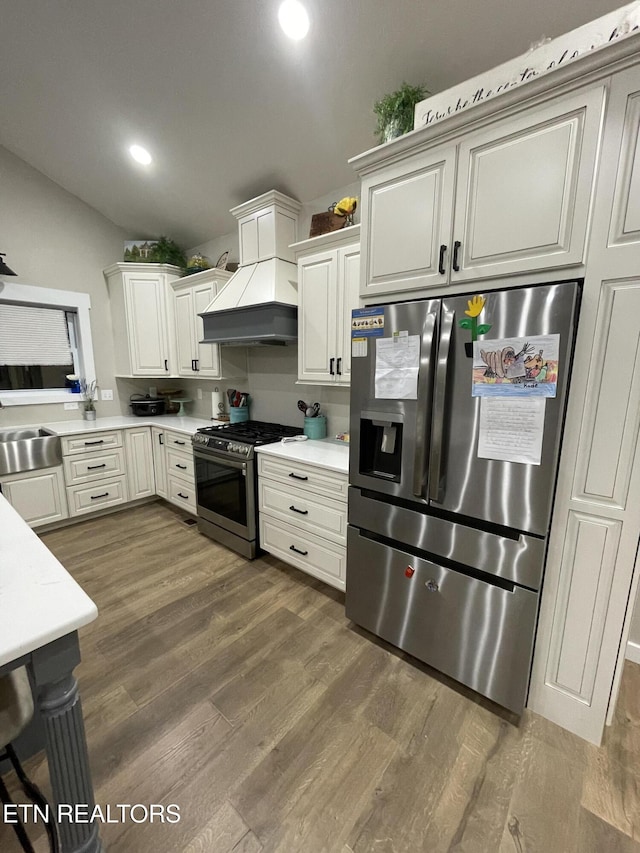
{"x":16,"y":711}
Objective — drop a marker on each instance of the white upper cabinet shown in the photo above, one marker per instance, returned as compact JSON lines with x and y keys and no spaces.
{"x":406,"y":220}
{"x":267,"y":227}
{"x":191,"y":296}
{"x":142,"y":315}
{"x":625,"y":220}
{"x":328,"y":282}
{"x":512,"y":197}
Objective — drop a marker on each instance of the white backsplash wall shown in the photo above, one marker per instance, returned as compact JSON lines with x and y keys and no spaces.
{"x":271,"y":382}
{"x":273,"y":372}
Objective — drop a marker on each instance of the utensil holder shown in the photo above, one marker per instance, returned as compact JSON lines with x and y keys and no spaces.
{"x":315,"y":427}
{"x":237,"y":414}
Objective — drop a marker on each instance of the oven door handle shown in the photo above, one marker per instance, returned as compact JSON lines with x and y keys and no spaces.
{"x":212,"y":456}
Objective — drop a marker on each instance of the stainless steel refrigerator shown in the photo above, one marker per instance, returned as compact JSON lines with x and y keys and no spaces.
{"x":448,"y":521}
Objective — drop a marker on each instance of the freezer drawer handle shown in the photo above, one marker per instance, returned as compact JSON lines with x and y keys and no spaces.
{"x":293,"y":548}
{"x":301,"y":511}
{"x":432,"y":586}
{"x":297,"y":476}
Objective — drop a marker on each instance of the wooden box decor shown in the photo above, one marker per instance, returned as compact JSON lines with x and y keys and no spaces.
{"x":324,"y":223}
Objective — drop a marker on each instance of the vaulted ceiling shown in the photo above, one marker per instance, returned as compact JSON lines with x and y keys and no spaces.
{"x":226,"y":103}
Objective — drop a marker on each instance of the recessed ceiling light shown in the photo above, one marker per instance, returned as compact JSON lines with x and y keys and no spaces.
{"x":294,"y":19}
{"x":140,"y":154}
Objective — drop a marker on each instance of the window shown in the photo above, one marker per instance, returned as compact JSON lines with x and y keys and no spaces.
{"x":45,"y":335}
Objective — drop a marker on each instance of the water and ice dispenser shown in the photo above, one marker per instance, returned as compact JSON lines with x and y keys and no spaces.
{"x":381,"y":446}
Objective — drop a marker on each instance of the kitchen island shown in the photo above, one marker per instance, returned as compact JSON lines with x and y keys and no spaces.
{"x":42,"y":608}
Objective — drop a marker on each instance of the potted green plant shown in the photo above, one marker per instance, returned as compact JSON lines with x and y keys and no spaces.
{"x":166,"y":251}
{"x":395,"y":111}
{"x":88,"y":391}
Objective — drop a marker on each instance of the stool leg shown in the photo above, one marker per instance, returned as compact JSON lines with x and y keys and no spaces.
{"x":36,"y":796}
{"x":18,"y":828}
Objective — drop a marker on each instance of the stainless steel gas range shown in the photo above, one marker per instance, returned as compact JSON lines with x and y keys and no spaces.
{"x":226,"y":480}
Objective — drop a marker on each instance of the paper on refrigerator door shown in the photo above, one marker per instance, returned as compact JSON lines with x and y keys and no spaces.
{"x":511,"y":429}
{"x":397,"y":365}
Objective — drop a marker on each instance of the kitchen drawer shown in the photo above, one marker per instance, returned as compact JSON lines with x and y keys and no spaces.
{"x":89,"y":498}
{"x":317,"y":481}
{"x":90,"y":441}
{"x":181,"y":493}
{"x":180,"y":464}
{"x":179,"y":441}
{"x":313,"y":554}
{"x":94,"y":466}
{"x":313,"y":514}
{"x":475,"y":629}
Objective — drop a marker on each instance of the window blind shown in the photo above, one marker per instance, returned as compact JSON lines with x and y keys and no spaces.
{"x":31,"y":335}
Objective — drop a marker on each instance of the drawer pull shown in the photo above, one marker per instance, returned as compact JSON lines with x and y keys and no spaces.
{"x":184,"y":497}
{"x":301,"y":511}
{"x":91,"y":443}
{"x":297,"y":476}
{"x":175,"y":441}
{"x":184,"y":467}
{"x":293,"y":548}
{"x":93,"y":467}
{"x":432,"y":586}
{"x":95,"y":497}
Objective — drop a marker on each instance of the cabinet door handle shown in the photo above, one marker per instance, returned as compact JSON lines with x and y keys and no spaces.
{"x":175,"y":441}
{"x":443,"y":250}
{"x":456,"y":249}
{"x":297,"y":476}
{"x":301,"y":511}
{"x":339,"y":366}
{"x":184,"y":497}
{"x":95,"y":497}
{"x":293,"y":548}
{"x":91,"y":443}
{"x":331,"y":360}
{"x":196,"y":361}
{"x":183,"y":467}
{"x":193,"y":365}
{"x":160,"y":438}
{"x":93,"y":467}
{"x":166,"y":364}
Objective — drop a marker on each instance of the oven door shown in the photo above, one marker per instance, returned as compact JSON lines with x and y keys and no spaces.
{"x":226,"y":492}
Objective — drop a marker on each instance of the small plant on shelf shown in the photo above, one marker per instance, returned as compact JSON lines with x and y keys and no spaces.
{"x":396,"y":111}
{"x":88,"y":391}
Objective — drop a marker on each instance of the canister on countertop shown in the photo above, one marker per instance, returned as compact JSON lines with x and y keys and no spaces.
{"x":217,"y":403}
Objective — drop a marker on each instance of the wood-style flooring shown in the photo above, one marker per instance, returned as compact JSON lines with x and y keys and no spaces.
{"x":240,"y":692}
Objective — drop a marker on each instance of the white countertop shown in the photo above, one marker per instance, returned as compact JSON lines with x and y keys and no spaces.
{"x":39,"y":600}
{"x":323,"y":453}
{"x":187,"y":425}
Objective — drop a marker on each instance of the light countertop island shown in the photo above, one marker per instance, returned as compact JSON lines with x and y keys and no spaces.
{"x":39,"y":600}
{"x":41,"y":609}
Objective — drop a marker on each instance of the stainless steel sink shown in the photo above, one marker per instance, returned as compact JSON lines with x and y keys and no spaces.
{"x":28,"y":450}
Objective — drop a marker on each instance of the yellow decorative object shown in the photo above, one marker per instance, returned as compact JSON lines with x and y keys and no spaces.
{"x":346,"y":206}
{"x":475,"y":306}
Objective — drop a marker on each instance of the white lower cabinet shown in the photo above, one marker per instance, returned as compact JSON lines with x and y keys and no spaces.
{"x":139,"y":454}
{"x":181,"y":486}
{"x":95,"y":471}
{"x":303,"y":516}
{"x":38,"y":496}
{"x":159,"y":461}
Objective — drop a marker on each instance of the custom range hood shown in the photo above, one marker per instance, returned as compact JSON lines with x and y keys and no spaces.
{"x":259,"y":303}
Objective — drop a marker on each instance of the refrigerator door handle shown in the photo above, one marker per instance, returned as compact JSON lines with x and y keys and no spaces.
{"x":425,"y":384}
{"x":439,"y":403}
